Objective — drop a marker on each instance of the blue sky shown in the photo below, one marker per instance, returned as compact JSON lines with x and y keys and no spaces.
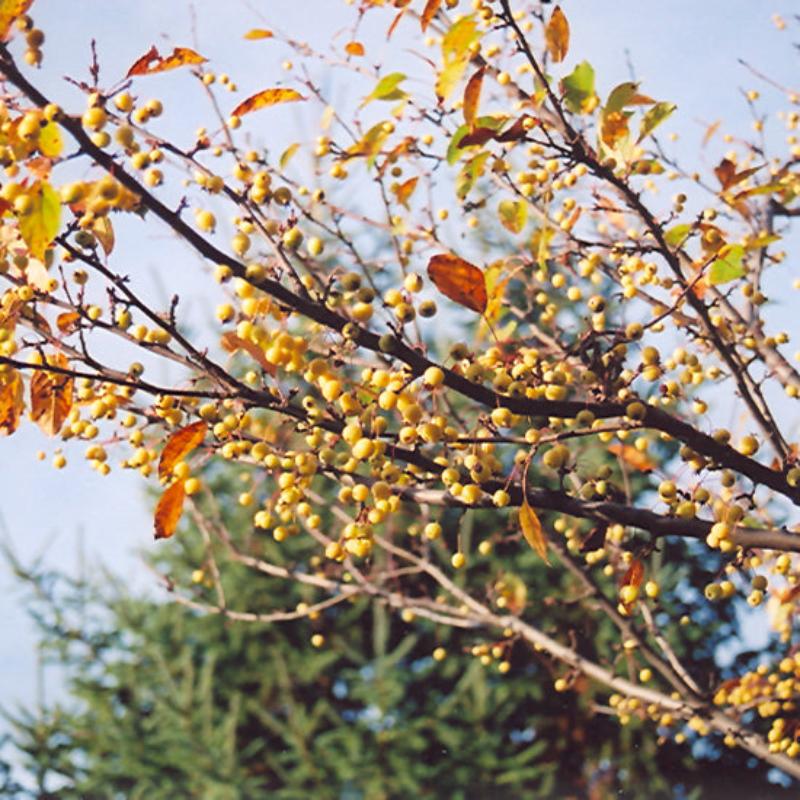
{"x":682,"y":50}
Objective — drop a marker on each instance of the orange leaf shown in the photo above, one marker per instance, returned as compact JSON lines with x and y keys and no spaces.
{"x":354,"y":49}
{"x":472,"y":96}
{"x":68,"y":321}
{"x":179,"y":444}
{"x":258,"y":33}
{"x":231,"y":343}
{"x":632,"y":457}
{"x":462,"y":282}
{"x":169,"y":510}
{"x":268,"y":97}
{"x":51,"y":396}
{"x":10,"y":10}
{"x":152,"y":62}
{"x":395,"y":23}
{"x":556,"y":35}
{"x":634,"y":575}
{"x":428,"y":13}
{"x":532,"y":530}
{"x":11,"y":401}
{"x":402,"y":191}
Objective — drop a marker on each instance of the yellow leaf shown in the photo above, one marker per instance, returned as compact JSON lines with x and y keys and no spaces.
{"x":258,"y":33}
{"x":556,"y":35}
{"x":9,"y":11}
{"x":459,"y":280}
{"x":181,"y":443}
{"x":402,"y":191}
{"x":169,"y":510}
{"x":11,"y":401}
{"x":51,"y":396}
{"x":265,"y":98}
{"x":104,"y":233}
{"x":456,"y":45}
{"x":532,"y":530}
{"x":472,"y":96}
{"x":39,"y":226}
{"x":50,"y":142}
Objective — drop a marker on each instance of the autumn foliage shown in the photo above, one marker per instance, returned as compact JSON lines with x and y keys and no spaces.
{"x":461,"y":297}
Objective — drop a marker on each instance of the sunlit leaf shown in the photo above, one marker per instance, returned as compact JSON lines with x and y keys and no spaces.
{"x":456,"y":44}
{"x":470,"y":173}
{"x":387,"y":88}
{"x":653,"y":117}
{"x":50,"y":142}
{"x":152,"y":62}
{"x":231,"y":343}
{"x":729,"y":266}
{"x":39,"y":226}
{"x":462,"y":282}
{"x":556,"y":35}
{"x":169,"y":510}
{"x":354,"y":49}
{"x":428,"y":13}
{"x":472,"y":96}
{"x":677,"y":235}
{"x":180,"y":444}
{"x":513,"y":214}
{"x":266,"y":98}
{"x":287,"y":154}
{"x":532,"y":530}
{"x":632,"y":457}
{"x":258,"y":33}
{"x":104,"y":233}
{"x":370,"y":143}
{"x":12,"y":403}
{"x":403,"y":191}
{"x":10,"y":10}
{"x":578,"y":88}
{"x":51,"y":395}
{"x":68,"y":321}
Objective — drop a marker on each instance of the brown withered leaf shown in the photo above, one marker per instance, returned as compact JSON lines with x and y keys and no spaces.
{"x":478,"y":136}
{"x":51,"y":395}
{"x":462,"y":282}
{"x":632,"y":457}
{"x":12,"y":402}
{"x":231,"y":343}
{"x":10,"y":10}
{"x":265,"y":98}
{"x":472,"y":96}
{"x":728,"y":176}
{"x":152,"y":61}
{"x":556,"y":35}
{"x":402,"y":191}
{"x":428,"y":13}
{"x":258,"y":33}
{"x":354,"y":49}
{"x":68,"y":321}
{"x":178,"y":445}
{"x":169,"y":510}
{"x":532,"y":530}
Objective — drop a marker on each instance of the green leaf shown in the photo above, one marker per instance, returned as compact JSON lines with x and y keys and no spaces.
{"x":50,"y":141}
{"x":513,"y":214}
{"x":653,"y":117}
{"x":287,"y":154}
{"x":620,"y":97}
{"x":39,"y":227}
{"x":470,"y":173}
{"x":387,"y":88}
{"x":677,"y":235}
{"x":729,"y":266}
{"x":578,"y":87}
